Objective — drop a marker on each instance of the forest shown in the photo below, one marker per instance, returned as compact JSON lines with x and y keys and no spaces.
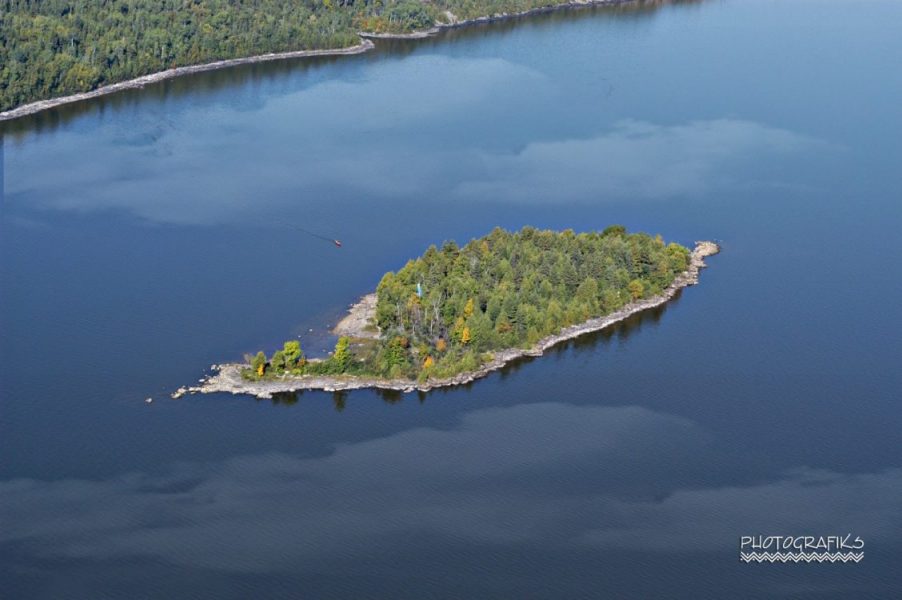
{"x":51,"y":48}
{"x":447,"y":311}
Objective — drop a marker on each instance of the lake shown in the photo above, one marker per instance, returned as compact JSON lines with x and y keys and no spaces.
{"x":147,"y":235}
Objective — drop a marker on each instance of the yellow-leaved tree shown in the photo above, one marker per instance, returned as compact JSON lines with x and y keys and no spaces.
{"x":636,"y":289}
{"x":469,"y":308}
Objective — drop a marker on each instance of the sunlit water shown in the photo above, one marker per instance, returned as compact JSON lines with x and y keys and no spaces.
{"x":147,"y":235}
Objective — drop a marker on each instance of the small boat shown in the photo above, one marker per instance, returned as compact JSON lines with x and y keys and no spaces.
{"x":337,"y":243}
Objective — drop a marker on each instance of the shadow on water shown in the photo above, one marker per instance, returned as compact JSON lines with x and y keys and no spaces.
{"x":619,"y":333}
{"x":252,"y":78}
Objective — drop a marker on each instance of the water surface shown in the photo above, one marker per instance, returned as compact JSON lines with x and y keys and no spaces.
{"x":147,"y":235}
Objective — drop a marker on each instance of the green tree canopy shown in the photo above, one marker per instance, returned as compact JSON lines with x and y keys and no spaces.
{"x":501,"y":291}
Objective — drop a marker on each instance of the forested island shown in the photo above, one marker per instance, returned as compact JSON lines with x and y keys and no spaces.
{"x":457,"y":313}
{"x":58,"y":48}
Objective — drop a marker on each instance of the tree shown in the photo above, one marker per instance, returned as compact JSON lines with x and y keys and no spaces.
{"x":277,"y":362}
{"x":458,"y":329}
{"x":341,"y":357}
{"x":636,"y":289}
{"x":611,"y":300}
{"x":393,"y":357}
{"x":292,"y":352}
{"x":259,"y":363}
{"x":468,"y":309}
{"x":481,"y":330}
{"x":503,"y":324}
{"x":587,"y":292}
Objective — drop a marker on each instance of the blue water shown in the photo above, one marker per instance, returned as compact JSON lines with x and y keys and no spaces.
{"x":147,"y":235}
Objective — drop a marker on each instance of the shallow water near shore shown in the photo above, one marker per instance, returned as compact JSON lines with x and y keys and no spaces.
{"x":147,"y":235}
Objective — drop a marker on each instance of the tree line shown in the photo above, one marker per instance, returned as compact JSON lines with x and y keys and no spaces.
{"x":51,"y":48}
{"x":447,"y":311}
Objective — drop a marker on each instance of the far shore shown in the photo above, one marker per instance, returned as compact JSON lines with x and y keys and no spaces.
{"x":228,"y":379}
{"x":139,"y":82}
{"x":365,"y":45}
{"x":453,"y":22}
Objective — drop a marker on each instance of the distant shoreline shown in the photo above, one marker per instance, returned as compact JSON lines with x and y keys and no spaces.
{"x":454,"y":23}
{"x":365,"y":45}
{"x":228,"y":378}
{"x":139,"y":82}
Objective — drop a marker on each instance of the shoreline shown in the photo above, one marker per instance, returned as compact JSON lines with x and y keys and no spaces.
{"x":31,"y":108}
{"x":454,"y":23}
{"x":360,"y":320}
{"x":228,"y":377}
{"x":366,"y":44}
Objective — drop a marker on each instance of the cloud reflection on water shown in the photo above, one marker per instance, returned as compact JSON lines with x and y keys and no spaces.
{"x":605,"y":477}
{"x":635,"y":159}
{"x":404,"y":128}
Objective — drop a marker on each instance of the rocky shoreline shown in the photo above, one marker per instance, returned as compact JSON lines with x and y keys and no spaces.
{"x":139,"y":82}
{"x":365,"y":45}
{"x":228,"y":379}
{"x":360,"y":321}
{"x":453,"y":22}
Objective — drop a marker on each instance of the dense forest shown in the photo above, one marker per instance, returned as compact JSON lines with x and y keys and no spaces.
{"x":51,"y":48}
{"x":445,"y":312}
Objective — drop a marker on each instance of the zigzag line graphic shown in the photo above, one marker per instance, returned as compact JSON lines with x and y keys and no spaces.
{"x":797,"y":557}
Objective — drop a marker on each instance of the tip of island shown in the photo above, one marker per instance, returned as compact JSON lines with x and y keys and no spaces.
{"x":456,"y":314}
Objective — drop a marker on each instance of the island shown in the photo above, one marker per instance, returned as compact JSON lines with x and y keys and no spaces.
{"x":456,"y":313}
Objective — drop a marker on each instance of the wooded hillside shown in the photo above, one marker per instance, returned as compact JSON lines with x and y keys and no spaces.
{"x":51,"y":48}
